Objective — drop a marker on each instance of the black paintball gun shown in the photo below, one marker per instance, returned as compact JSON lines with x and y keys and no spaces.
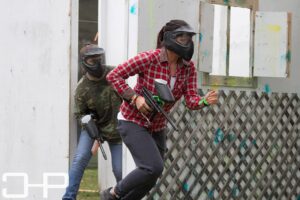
{"x":155,"y":102}
{"x":89,"y":124}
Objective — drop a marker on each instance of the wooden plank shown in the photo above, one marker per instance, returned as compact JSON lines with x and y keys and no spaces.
{"x":252,"y":4}
{"x":271,"y":44}
{"x":206,"y":37}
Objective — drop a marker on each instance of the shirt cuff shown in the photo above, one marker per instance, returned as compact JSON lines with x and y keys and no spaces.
{"x":128,"y":94}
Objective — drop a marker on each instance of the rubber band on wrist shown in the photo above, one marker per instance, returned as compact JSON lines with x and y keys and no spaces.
{"x":204,"y":102}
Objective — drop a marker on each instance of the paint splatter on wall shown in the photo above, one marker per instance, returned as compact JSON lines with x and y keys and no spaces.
{"x":267,"y":89}
{"x":235,"y":191}
{"x":219,"y":136}
{"x":271,"y":44}
{"x":274,"y":27}
{"x":133,"y":9}
{"x":211,"y":194}
{"x":200,"y":37}
{"x":185,"y":187}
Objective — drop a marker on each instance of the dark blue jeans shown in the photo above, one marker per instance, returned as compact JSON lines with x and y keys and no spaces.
{"x":147,"y":150}
{"x":81,"y":159}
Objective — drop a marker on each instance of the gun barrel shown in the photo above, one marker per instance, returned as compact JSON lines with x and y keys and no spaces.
{"x":102,"y":150}
{"x":149,"y":99}
{"x":89,"y":124}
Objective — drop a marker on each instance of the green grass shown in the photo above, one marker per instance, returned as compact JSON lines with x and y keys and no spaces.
{"x":89,"y":189}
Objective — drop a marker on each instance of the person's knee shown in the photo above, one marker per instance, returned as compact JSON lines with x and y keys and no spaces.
{"x":82,"y":157}
{"x":156,"y":169}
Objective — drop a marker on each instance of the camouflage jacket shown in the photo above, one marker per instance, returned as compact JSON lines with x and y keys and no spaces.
{"x":99,"y":98}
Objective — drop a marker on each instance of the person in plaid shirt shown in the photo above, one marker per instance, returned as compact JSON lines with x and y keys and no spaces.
{"x":171,"y":62}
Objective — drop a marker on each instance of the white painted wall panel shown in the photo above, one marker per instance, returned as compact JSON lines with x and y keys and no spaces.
{"x":291,"y":83}
{"x":34,"y":98}
{"x":113,"y":31}
{"x":271,"y":44}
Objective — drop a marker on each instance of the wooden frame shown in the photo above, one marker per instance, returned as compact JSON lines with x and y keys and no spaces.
{"x":232,"y":81}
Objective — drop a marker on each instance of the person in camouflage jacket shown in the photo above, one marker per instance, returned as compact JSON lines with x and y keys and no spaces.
{"x":95,"y":96}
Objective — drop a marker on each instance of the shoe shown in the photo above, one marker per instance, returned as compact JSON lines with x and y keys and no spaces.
{"x":106,"y":195}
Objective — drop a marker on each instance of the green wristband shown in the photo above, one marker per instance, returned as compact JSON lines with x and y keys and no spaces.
{"x":203,"y":101}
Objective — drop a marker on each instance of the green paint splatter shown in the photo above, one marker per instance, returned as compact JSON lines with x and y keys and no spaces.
{"x":288,"y":56}
{"x":243,"y":144}
{"x":211,"y":194}
{"x":235,"y":191}
{"x":186,"y":187}
{"x":133,"y":9}
{"x":267,"y":89}
{"x":226,"y":2}
{"x":219,"y":136}
{"x":200,"y":37}
{"x":231,"y":137}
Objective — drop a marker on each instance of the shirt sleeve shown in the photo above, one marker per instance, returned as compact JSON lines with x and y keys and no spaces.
{"x":123,"y":71}
{"x":191,"y":90}
{"x":80,"y":106}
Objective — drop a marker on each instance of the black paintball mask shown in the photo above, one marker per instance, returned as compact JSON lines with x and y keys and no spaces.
{"x":180,"y":41}
{"x":93,"y":59}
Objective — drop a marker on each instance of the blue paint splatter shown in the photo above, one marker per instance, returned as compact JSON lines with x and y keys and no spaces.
{"x":231,"y":137}
{"x":133,"y":9}
{"x":219,"y":136}
{"x":254,"y":142}
{"x":267,"y":89}
{"x":205,"y":53}
{"x":243,"y":144}
{"x":211,"y":194}
{"x":235,"y":191}
{"x":186,"y":187}
{"x":298,"y":198}
{"x":286,"y":57}
{"x":200,"y":37}
{"x":226,"y":1}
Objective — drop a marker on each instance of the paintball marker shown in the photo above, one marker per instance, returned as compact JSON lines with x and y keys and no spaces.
{"x":88,"y":123}
{"x":164,"y":95}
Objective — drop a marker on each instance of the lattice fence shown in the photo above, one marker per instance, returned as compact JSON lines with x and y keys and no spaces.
{"x":246,"y":147}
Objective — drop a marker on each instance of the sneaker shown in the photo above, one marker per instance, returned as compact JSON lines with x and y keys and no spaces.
{"x":106,"y":195}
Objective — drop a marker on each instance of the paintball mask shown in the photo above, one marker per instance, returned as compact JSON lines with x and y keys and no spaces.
{"x":93,"y":59}
{"x":180,"y":41}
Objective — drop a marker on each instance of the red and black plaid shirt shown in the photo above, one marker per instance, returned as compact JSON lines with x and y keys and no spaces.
{"x":148,"y":66}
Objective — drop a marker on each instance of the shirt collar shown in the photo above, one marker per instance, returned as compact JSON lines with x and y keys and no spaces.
{"x":163,"y":58}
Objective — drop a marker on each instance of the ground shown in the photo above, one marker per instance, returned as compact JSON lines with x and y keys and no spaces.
{"x":89,"y":185}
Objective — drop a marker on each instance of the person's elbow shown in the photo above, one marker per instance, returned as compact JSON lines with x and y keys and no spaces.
{"x":110,"y":77}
